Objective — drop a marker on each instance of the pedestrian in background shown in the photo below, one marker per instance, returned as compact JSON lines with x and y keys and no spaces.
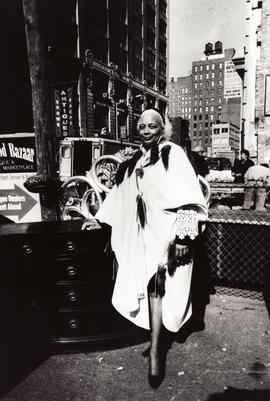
{"x":256,"y":179}
{"x":240,"y":167}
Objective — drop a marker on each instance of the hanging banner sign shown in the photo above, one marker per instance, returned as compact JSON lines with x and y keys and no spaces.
{"x":17,"y":153}
{"x":232,"y":81}
{"x":64,"y":110}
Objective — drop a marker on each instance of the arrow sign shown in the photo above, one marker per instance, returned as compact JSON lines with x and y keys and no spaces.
{"x":16,"y":202}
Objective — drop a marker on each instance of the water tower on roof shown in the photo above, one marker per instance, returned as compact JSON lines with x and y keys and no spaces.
{"x":211,"y":50}
{"x":218,"y":47}
{"x":208,"y":49}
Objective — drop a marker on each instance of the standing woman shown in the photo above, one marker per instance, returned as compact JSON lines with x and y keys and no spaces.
{"x":154,"y":210}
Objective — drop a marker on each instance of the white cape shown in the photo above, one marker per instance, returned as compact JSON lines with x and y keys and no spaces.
{"x":139,"y":251}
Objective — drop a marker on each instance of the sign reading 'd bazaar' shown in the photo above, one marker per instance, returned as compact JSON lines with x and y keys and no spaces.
{"x":64,"y":105}
{"x":17,"y":154}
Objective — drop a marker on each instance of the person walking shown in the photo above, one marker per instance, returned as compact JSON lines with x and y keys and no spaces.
{"x":154,"y":211}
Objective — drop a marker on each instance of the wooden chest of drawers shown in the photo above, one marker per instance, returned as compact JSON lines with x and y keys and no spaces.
{"x":55,"y":295}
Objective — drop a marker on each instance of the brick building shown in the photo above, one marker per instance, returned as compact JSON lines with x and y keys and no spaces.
{"x":107,"y":61}
{"x":210,"y":95}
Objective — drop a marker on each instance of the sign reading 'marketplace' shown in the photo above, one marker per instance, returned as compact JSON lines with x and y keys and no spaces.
{"x":17,"y":154}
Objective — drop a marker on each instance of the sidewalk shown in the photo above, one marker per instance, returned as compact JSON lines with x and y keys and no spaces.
{"x":229,"y":360}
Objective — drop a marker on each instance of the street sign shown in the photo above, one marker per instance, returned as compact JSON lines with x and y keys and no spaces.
{"x":16,"y":202}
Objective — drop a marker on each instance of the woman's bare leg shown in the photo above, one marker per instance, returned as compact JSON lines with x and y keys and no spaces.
{"x":155,"y":323}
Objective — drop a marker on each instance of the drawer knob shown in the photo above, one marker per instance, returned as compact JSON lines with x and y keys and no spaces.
{"x":71,"y":270}
{"x":27,"y":249}
{"x":73,"y":323}
{"x":72,"y":296}
{"x":70,"y":246}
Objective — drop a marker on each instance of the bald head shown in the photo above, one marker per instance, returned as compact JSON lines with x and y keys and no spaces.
{"x":150,"y":127}
{"x":151,"y":113}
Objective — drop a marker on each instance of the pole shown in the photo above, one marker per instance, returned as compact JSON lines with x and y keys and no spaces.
{"x":45,"y":181}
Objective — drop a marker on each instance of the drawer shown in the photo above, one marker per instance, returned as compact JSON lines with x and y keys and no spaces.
{"x":84,"y":296}
{"x":24,"y":250}
{"x":99,"y":321}
{"x":82,"y":243}
{"x":93,"y":268}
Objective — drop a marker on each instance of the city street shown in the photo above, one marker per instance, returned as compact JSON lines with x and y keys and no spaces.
{"x":229,"y":360}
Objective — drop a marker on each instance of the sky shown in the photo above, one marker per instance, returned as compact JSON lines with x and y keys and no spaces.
{"x":193,"y":23}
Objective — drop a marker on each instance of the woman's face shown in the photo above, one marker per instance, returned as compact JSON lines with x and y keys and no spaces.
{"x":150,"y":127}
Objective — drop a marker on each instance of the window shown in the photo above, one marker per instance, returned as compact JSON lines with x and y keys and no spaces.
{"x":220,"y":65}
{"x":207,"y":75}
{"x":206,"y":109}
{"x":213,"y":92}
{"x":200,"y":93}
{"x":201,"y":84}
{"x":207,"y":92}
{"x":206,"y":84}
{"x":200,"y":76}
{"x":201,"y":67}
{"x":219,"y":100}
{"x":216,"y":131}
{"x":220,"y":82}
{"x":195,"y":93}
{"x":212,"y":75}
{"x":212,"y":99}
{"x":212,"y":108}
{"x":195,"y":118}
{"x":219,"y":107}
{"x":212,"y":66}
{"x":195,"y":125}
{"x":200,"y":102}
{"x":200,"y":117}
{"x":212,"y":83}
{"x":195,"y":85}
{"x":220,"y":74}
{"x":196,"y":68}
{"x":195,"y":77}
{"x":219,"y":91}
{"x":195,"y":109}
{"x":206,"y":116}
{"x":211,"y":117}
{"x":224,"y":129}
{"x":186,"y":90}
{"x":195,"y":102}
{"x":189,"y":91}
{"x":207,"y":67}
{"x":206,"y":124}
{"x":200,"y":126}
{"x":200,"y":109}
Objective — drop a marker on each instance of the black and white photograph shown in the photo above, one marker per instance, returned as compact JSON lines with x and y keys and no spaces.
{"x":135,"y":200}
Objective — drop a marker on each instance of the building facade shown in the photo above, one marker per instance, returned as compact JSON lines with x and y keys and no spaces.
{"x":214,"y":91}
{"x":225,"y":140}
{"x":107,"y":62}
{"x":180,"y":99}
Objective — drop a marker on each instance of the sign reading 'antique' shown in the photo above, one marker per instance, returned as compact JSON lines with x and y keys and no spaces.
{"x":63,"y":98}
